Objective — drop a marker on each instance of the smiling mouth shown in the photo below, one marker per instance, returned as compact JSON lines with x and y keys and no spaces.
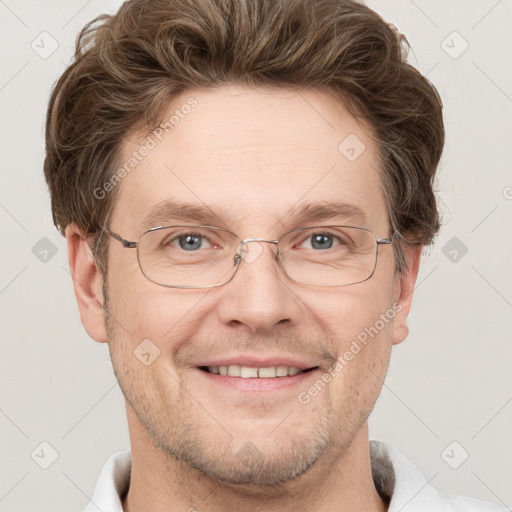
{"x":247,"y":372}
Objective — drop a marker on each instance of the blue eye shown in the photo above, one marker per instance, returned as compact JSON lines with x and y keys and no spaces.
{"x":189,"y":241}
{"x":321,"y":241}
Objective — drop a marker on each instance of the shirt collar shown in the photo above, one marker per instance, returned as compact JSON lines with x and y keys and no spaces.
{"x":112,"y":484}
{"x":401,"y":482}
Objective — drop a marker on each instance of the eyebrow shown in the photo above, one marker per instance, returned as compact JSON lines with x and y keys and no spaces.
{"x":178,"y":211}
{"x":321,"y":211}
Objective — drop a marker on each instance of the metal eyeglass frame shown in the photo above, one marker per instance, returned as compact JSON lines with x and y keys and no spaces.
{"x":237,"y":258}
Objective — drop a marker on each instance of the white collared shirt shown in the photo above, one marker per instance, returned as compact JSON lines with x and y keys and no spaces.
{"x":394,"y":476}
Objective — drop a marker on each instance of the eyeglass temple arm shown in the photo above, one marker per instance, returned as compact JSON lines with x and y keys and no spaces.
{"x":125,"y":243}
{"x":389,"y":240}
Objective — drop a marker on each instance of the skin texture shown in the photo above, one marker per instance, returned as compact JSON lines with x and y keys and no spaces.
{"x":250,"y":155}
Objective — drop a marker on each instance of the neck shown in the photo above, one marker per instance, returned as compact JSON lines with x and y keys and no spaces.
{"x":340,"y":481}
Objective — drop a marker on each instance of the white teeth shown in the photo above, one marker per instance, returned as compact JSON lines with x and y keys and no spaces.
{"x":234,"y":370}
{"x":267,"y":372}
{"x":246,"y":372}
{"x":282,"y":371}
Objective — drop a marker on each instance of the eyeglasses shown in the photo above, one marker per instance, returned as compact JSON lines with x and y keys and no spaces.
{"x":207,"y":256}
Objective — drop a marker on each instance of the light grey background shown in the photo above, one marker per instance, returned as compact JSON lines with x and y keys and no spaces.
{"x":449,"y":382}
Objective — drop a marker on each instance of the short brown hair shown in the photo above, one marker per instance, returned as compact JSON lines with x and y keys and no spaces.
{"x":129,"y":65}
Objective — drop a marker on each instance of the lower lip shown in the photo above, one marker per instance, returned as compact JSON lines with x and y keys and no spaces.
{"x":258,"y":383}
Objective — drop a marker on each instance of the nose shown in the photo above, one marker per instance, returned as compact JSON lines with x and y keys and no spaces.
{"x":259,"y":298}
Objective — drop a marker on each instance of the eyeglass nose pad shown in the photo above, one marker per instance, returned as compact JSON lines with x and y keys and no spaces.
{"x":239,"y":254}
{"x":252,"y":255}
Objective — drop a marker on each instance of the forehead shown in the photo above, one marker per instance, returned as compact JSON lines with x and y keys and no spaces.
{"x":251,"y":157}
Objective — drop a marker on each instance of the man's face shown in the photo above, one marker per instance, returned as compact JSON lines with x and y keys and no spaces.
{"x":252,"y":157}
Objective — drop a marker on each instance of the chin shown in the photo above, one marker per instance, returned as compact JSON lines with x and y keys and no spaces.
{"x":250,"y":465}
{"x":240,"y":461}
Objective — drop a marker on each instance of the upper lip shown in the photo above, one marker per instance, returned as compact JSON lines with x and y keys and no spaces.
{"x":258,"y":362}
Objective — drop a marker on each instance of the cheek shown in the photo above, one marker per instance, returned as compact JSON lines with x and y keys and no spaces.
{"x":349,"y":312}
{"x":359,"y":322}
{"x":363,"y":353}
{"x":142,"y":310}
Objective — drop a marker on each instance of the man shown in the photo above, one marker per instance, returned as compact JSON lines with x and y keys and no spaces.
{"x":246,"y":187}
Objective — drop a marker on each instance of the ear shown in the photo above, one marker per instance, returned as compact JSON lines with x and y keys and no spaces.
{"x":87,"y":283}
{"x":404,"y":290}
